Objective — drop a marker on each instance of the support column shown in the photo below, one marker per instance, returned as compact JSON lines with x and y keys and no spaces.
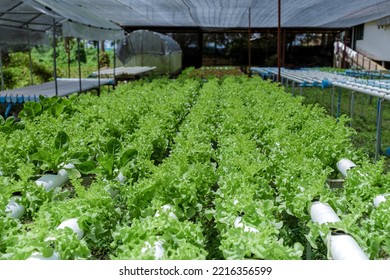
{"x":79,"y":63}
{"x":352,"y":107}
{"x":279,"y":49}
{"x":379,"y":129}
{"x":98,"y":62}
{"x":1,"y":69}
{"x":249,"y":43}
{"x":55,"y":57}
{"x":284,"y":39}
{"x":332,"y":102}
{"x":29,"y":57}
{"x":114,"y":64}
{"x":338,"y":104}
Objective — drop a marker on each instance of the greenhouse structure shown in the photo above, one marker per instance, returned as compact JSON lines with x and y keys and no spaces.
{"x":263,"y":132}
{"x":151,"y":49}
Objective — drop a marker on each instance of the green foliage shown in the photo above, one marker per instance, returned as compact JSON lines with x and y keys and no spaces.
{"x":179,"y":169}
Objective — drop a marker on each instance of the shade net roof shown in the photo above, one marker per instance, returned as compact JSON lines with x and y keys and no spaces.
{"x":101,"y":19}
{"x":29,"y":19}
{"x":235,"y":13}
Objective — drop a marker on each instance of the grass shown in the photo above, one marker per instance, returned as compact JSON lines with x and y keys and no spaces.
{"x":362,"y":110}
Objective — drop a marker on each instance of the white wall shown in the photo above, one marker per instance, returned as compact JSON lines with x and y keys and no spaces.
{"x":375,"y":43}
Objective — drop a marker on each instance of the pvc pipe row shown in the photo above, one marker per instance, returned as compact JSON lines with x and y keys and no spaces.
{"x":73,"y":225}
{"x":15,"y":210}
{"x":341,"y":246}
{"x":345,"y":165}
{"x":329,"y":79}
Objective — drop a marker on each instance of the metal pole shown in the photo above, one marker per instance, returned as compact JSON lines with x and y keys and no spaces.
{"x":67,"y":49}
{"x":1,"y":69}
{"x":249,"y":43}
{"x":339,"y":104}
{"x":332,"y":102}
{"x":293,"y":88}
{"x":114,"y":63}
{"x":378,"y":129}
{"x":29,"y":56}
{"x":79,"y":63}
{"x":352,"y":107}
{"x":284,"y":38}
{"x":362,"y":105}
{"x":98,"y":62}
{"x":279,"y":49}
{"x":55,"y":57}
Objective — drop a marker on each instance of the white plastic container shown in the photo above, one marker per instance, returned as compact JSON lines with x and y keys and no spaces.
{"x":36,"y":256}
{"x":344,"y":165}
{"x":344,"y":247}
{"x":73,"y":225}
{"x":379,"y":199}
{"x":322,"y":213}
{"x":14,"y":209}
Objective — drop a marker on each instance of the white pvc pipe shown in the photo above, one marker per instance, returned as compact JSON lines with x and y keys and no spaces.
{"x":38,"y":256}
{"x":341,"y":246}
{"x":344,"y":247}
{"x":375,"y":93}
{"x":14,"y":209}
{"x":379,"y":199}
{"x":322,"y":213}
{"x":73,"y":225}
{"x":52,"y":181}
{"x":344,"y":165}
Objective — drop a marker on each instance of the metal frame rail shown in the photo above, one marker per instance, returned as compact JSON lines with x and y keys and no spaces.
{"x":123,"y":72}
